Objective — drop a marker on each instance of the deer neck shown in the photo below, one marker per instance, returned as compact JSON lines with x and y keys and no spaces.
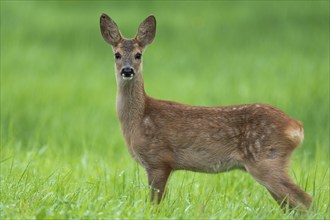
{"x":130,"y":105}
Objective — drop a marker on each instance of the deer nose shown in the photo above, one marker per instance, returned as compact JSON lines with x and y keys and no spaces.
{"x":127,"y":73}
{"x":127,"y":70}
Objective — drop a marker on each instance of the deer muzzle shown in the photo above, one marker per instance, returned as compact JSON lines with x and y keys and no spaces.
{"x":127,"y":73}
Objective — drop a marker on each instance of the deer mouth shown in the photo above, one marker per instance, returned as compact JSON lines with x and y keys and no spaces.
{"x":127,"y":76}
{"x":127,"y":73}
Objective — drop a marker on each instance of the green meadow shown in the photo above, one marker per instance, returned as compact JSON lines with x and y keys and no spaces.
{"x":62,"y":152}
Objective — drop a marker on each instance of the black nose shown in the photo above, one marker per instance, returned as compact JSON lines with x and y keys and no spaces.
{"x":127,"y":70}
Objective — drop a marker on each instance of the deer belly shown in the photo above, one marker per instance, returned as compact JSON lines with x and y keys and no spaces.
{"x":202,"y":160}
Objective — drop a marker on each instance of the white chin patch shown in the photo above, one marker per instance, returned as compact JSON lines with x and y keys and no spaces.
{"x":127,"y":77}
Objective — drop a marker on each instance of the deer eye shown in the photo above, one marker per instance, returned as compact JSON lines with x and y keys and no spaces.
{"x":138,"y":56}
{"x":117,"y":56}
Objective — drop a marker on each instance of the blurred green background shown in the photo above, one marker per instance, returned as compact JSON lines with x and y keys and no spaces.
{"x":57,"y":77}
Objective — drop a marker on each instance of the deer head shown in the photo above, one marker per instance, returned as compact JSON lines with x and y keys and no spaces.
{"x":128,"y":52}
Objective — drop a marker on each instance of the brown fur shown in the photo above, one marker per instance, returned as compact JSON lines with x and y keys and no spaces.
{"x":164,"y":136}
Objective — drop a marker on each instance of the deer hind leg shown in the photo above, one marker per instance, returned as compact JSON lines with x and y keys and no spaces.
{"x":157,"y":179}
{"x":274,"y":177}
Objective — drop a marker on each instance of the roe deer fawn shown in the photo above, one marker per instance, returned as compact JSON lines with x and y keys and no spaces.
{"x":164,"y":136}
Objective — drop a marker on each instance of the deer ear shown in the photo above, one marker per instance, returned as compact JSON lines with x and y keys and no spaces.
{"x":109,"y":30}
{"x":147,"y":31}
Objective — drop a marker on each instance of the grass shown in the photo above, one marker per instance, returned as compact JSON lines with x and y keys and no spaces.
{"x":62,"y":152}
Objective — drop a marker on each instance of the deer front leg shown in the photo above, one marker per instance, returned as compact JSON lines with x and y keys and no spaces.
{"x":157,"y":179}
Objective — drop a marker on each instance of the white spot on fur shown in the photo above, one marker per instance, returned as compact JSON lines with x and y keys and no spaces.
{"x":257,"y":144}
{"x":147,"y":121}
